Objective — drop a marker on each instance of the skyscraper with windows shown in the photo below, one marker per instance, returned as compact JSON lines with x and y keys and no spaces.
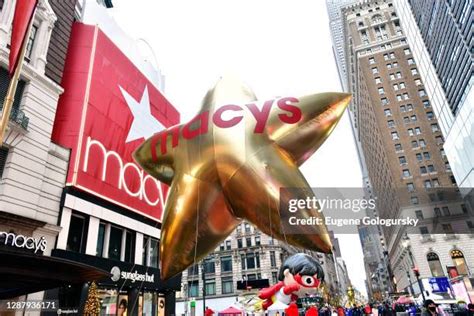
{"x":440,"y":33}
{"x":401,"y":141}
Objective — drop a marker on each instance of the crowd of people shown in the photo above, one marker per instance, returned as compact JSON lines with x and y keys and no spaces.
{"x":429,"y":308}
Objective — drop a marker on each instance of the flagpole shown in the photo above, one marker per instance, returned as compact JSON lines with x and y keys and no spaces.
{"x":10,"y":97}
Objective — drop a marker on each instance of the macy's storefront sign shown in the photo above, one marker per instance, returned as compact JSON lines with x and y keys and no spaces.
{"x":23,"y":242}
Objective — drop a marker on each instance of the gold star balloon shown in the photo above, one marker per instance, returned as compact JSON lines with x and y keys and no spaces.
{"x":228,"y":164}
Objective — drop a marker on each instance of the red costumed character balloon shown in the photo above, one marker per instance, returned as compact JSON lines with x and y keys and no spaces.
{"x":300,"y":275}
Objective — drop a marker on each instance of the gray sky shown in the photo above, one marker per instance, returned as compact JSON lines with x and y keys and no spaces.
{"x":278,"y":47}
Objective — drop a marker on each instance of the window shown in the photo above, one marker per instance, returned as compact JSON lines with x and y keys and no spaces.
{"x":395,"y":136}
{"x":115,"y":242}
{"x":272,"y":259}
{"x":413,"y":118}
{"x":418,"y":82}
{"x":437,"y":211}
{"x":407,"y":51}
{"x":414,"y":144}
{"x":422,"y":93}
{"x":385,"y":56}
{"x":429,"y":115}
{"x":257,"y":240}
{"x":458,"y":259}
{"x":399,"y":75}
{"x":209,"y":266}
{"x":392,"y":55}
{"x":419,"y":214}
{"x":427,"y":184}
{"x":439,"y":140}
{"x":193,"y":270}
{"x":403,"y":108}
{"x":431,"y":168}
{"x":395,"y":87}
{"x":427,"y":155}
{"x":424,"y":230}
{"x":402,"y":160}
{"x":392,"y":76}
{"x":371,"y":60}
{"x":446,"y":211}
{"x":391,"y":123}
{"x":411,"y":61}
{"x":31,"y":41}
{"x":398,"y":147}
{"x":76,"y":240}
{"x":387,"y":112}
{"x":399,"y":97}
{"x":227,"y":285}
{"x":417,"y":130}
{"x":250,"y":261}
{"x":422,"y":143}
{"x":239,"y":243}
{"x":3,"y":159}
{"x":274,"y":277}
{"x":414,"y":71}
{"x":210,"y":287}
{"x":228,"y":244}
{"x":226,"y":264}
{"x":441,"y":151}
{"x":434,"y":128}
{"x":436,"y":183}
{"x":419,"y":157}
{"x":375,"y":70}
{"x":153,"y":253}
{"x":409,"y":107}
{"x":222,"y":247}
{"x":247,"y":227}
{"x":377,"y":80}
{"x":405,"y":96}
{"x":414,"y":200}
{"x":426,"y":104}
{"x":470,"y":225}
{"x":99,"y":251}
{"x":434,"y":264}
{"x":410,"y":187}
{"x":395,"y":64}
{"x":447,"y":166}
{"x":384,"y":101}
{"x":410,"y":132}
{"x":248,"y":242}
{"x":389,"y":66}
{"x":423,"y":170}
{"x":130,"y":247}
{"x":381,"y":90}
{"x":144,"y":251}
{"x":193,"y":288}
{"x":406,"y":173}
{"x":402,"y":85}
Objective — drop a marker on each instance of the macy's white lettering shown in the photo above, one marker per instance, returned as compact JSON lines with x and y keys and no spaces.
{"x":141,"y":193}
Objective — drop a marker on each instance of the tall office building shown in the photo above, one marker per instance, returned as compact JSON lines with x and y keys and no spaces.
{"x":441,"y":35}
{"x":402,"y":144}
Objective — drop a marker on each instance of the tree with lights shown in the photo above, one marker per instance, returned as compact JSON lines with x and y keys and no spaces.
{"x":92,"y":304}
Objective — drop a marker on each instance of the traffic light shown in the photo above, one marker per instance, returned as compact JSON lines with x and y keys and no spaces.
{"x":416,"y":272}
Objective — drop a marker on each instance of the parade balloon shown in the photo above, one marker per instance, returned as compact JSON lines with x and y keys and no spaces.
{"x":229,"y":163}
{"x":300,"y":275}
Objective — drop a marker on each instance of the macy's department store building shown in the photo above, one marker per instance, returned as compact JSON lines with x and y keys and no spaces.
{"x":111,"y":210}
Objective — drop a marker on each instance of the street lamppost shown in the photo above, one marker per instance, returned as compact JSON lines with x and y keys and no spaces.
{"x":409,"y":281}
{"x":407,"y":246}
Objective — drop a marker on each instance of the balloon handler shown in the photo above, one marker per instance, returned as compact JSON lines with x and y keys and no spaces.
{"x":299,"y":275}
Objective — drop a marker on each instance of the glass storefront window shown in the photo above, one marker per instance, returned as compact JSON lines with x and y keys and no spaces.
{"x":100,"y":241}
{"x":76,"y":240}
{"x":108,"y":301}
{"x":153,"y":253}
{"x":129,"y":246}
{"x":115,"y":243}
{"x":122,"y":307}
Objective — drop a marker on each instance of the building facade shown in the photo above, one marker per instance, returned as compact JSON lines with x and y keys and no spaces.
{"x":401,"y":139}
{"x":446,"y":69}
{"x":245,"y":262}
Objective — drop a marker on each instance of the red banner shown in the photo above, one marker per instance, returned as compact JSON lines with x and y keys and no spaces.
{"x":108,"y":108}
{"x":24,"y":11}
